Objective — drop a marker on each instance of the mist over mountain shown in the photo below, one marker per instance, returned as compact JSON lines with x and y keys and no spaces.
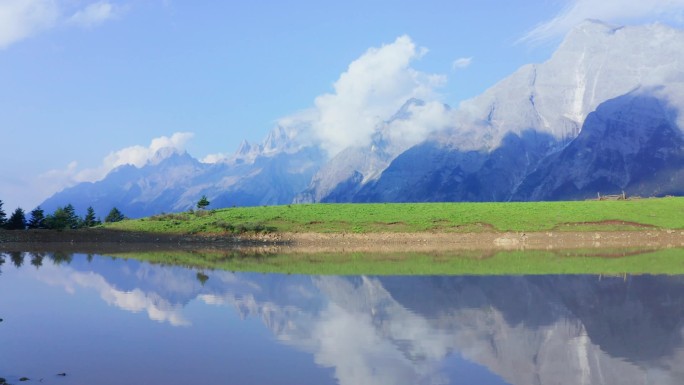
{"x":602,"y":115}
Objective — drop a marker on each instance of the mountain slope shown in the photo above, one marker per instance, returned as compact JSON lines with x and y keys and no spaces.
{"x":135,"y":191}
{"x":267,"y":174}
{"x":432,"y":172}
{"x":502,"y":136}
{"x":631,"y":144}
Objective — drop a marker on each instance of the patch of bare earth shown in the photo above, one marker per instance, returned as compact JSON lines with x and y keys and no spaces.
{"x":95,"y":240}
{"x":607,"y":224}
{"x":444,"y":241}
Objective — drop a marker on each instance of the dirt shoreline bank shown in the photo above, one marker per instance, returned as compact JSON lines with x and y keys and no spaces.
{"x":101,"y":240}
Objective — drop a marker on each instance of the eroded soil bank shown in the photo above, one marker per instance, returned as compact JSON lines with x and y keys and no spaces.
{"x":104,"y":240}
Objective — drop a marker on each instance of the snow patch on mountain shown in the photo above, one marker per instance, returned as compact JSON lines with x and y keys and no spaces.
{"x":596,"y":62}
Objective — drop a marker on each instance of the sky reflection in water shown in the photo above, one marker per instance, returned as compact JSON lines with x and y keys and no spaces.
{"x":266,"y":328}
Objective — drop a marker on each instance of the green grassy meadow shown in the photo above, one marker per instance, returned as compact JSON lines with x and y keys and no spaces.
{"x":666,"y":213}
{"x":630,"y":215}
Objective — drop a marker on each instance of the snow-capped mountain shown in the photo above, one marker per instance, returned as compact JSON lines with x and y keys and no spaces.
{"x":595,"y":63}
{"x":600,"y":116}
{"x":501,"y":137}
{"x":269,"y":173}
{"x":151,"y":189}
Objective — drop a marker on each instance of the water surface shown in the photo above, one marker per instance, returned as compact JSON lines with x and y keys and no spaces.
{"x":110,"y":321}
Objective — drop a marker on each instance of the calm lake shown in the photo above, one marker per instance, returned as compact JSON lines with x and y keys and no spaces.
{"x":101,"y":320}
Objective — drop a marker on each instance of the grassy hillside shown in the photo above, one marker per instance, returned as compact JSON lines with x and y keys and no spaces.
{"x":414,"y":217}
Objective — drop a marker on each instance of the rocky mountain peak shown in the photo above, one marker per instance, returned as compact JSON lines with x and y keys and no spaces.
{"x":508,"y":143}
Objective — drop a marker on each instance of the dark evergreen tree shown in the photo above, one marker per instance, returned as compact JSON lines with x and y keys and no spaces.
{"x":114,"y":216}
{"x":73,"y":221}
{"x":61,"y":219}
{"x":17,"y":221}
{"x":203,"y":202}
{"x":37,"y":219}
{"x":57,"y":220}
{"x":3,"y":216}
{"x":90,"y":220}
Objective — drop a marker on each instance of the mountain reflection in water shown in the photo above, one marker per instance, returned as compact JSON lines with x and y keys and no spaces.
{"x":355,"y":329}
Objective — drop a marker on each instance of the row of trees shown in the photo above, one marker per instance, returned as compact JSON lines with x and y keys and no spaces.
{"x":63,"y":218}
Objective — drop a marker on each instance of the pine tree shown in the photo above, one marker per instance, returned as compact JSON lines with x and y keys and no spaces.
{"x":37,"y":219}
{"x":3,"y":216}
{"x":203,"y":202}
{"x":17,"y":221}
{"x":63,"y":218}
{"x":114,"y":216}
{"x":90,"y":220}
{"x":57,"y":220}
{"x":73,"y":221}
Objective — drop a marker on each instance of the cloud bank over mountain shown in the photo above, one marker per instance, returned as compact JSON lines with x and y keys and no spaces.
{"x":138,"y":156}
{"x":374,"y":87}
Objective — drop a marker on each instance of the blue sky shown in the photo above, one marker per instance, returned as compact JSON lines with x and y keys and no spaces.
{"x":86,"y":85}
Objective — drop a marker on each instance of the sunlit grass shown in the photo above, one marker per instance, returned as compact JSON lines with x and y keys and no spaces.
{"x":665,"y":213}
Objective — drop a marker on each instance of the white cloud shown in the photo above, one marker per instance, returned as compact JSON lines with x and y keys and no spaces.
{"x":463,"y":62}
{"x":373,"y":88}
{"x":215,"y":158}
{"x":137,"y":156}
{"x":621,"y":11}
{"x":367,"y":96}
{"x":21,"y":19}
{"x":159,"y":148}
{"x":424,"y":120}
{"x":94,"y":14}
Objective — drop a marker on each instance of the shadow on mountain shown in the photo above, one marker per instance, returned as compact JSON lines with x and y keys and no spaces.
{"x":630,"y":143}
{"x":431,"y":172}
